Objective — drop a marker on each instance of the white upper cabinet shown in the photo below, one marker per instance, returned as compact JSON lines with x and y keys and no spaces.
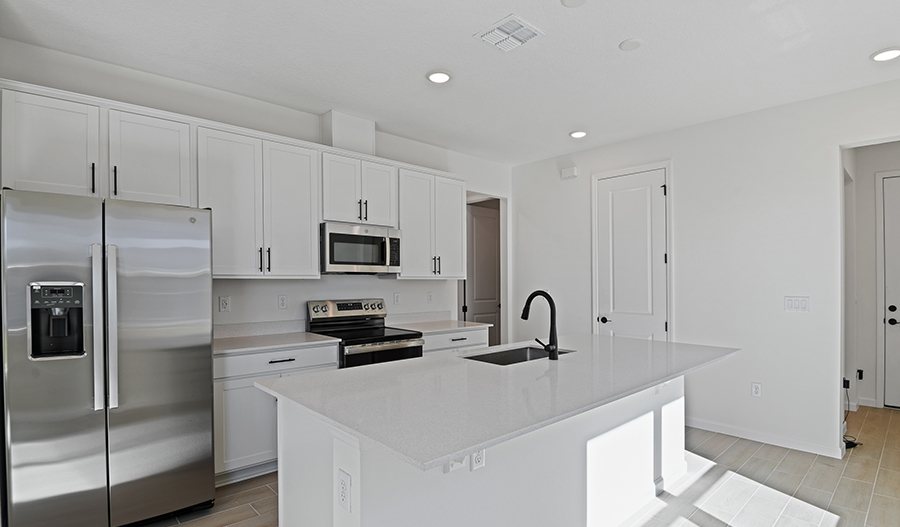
{"x":263,"y":196}
{"x":290,"y":199}
{"x":49,"y":145}
{"x":433,"y":223}
{"x":149,"y":158}
{"x":230,"y":174}
{"x":355,"y":191}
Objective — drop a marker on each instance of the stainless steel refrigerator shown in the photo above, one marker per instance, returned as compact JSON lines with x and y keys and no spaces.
{"x":107,"y":363}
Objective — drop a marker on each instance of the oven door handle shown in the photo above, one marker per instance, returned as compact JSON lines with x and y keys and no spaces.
{"x":366,"y":348}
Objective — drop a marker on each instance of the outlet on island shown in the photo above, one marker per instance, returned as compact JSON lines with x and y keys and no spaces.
{"x":224,"y":304}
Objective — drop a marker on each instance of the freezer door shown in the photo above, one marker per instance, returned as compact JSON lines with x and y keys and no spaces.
{"x":159,"y":302}
{"x":55,"y":428}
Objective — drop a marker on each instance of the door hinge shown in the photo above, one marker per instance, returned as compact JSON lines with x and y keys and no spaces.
{"x":465,"y":309}
{"x":666,"y":327}
{"x":665,"y":258}
{"x":664,"y":189}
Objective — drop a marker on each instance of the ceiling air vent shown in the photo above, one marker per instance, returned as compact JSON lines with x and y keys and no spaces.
{"x":509,"y":33}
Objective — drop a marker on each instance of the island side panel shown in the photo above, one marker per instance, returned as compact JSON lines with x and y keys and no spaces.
{"x":624,"y":449}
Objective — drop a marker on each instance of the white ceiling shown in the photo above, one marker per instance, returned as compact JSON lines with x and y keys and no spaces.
{"x":700,"y":60}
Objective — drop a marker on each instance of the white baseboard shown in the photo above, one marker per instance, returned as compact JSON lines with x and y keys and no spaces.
{"x":227,"y":478}
{"x":864,"y":401}
{"x":786,"y":442}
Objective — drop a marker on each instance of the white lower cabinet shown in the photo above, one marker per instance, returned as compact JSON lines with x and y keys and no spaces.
{"x":458,"y":340}
{"x":245,"y":417}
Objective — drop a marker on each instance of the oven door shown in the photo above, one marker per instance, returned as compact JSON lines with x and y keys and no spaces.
{"x":380,"y":352}
{"x":353,"y":248}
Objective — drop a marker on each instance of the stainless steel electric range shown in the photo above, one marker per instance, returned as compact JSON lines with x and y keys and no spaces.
{"x":360,"y":326}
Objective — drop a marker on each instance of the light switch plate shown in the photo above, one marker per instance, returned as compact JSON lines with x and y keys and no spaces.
{"x":797,"y":304}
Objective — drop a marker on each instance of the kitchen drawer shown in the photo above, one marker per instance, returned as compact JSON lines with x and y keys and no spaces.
{"x":456,"y":339}
{"x":273,"y":361}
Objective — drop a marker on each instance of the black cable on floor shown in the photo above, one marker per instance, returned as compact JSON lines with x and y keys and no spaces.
{"x":849,"y":440}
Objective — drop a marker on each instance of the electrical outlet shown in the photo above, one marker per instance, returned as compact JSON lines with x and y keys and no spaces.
{"x":430,"y":297}
{"x":477,"y":459}
{"x":282,"y":301}
{"x":343,"y":490}
{"x":396,"y":299}
{"x":756,"y":389}
{"x":224,"y":304}
{"x":450,"y":466}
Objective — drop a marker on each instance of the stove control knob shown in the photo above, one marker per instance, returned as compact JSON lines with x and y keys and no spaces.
{"x":380,"y":305}
{"x":366,"y":306}
{"x":315,"y":309}
{"x":325,"y":309}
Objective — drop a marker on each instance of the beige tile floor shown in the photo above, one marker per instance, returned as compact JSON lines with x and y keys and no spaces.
{"x":741,"y":483}
{"x":731,"y":482}
{"x":250,"y":503}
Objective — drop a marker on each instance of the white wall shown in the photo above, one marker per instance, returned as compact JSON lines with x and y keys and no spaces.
{"x":869,"y":160}
{"x":756,"y":208}
{"x":254,"y":300}
{"x":848,"y":162}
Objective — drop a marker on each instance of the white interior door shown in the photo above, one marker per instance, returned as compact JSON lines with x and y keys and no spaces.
{"x":483,"y":277}
{"x":630,"y":255}
{"x":891,"y":187}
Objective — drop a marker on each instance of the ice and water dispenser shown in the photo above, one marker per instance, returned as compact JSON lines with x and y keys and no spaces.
{"x":55,"y":320}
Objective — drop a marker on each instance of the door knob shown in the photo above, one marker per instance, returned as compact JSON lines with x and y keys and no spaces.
{"x":892,"y":308}
{"x":605,"y":320}
{"x":892,"y":321}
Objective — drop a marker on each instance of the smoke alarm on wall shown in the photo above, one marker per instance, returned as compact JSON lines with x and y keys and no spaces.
{"x":509,"y":33}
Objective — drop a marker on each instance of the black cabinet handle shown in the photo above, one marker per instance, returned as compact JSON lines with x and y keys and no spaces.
{"x":292,"y":359}
{"x":434,"y":265}
{"x":93,"y":180}
{"x":269,"y":259}
{"x":460,"y":338}
{"x":360,"y":209}
{"x":115,"y":181}
{"x":260,"y":259}
{"x":892,"y":321}
{"x":605,"y":320}
{"x":366,"y":203}
{"x":439,"y":265}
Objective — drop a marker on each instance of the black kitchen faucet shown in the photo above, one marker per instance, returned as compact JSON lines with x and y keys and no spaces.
{"x":553,"y":347}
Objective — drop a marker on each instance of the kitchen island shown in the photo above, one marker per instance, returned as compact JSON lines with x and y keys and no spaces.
{"x":585,"y":440}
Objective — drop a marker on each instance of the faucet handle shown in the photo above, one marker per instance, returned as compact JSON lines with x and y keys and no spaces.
{"x":546,"y":347}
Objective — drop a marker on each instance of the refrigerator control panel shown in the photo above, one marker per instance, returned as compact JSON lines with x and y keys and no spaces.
{"x":56,"y":320}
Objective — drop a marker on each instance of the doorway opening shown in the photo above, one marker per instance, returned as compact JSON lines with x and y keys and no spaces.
{"x":871,"y":240}
{"x":481,"y":294}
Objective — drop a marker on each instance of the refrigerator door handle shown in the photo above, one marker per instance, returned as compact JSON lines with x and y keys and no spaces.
{"x":112,"y":324}
{"x":97,"y":302}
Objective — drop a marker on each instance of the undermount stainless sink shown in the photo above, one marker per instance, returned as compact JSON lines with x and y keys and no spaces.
{"x":513,"y":356}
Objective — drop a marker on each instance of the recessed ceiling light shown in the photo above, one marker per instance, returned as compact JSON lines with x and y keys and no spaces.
{"x":631,"y":44}
{"x":438,"y":77}
{"x":886,"y":54}
{"x":577,"y":134}
{"x":573,"y":3}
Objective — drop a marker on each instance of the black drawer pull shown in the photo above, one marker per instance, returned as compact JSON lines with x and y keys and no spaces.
{"x":292,"y":359}
{"x":460,"y":338}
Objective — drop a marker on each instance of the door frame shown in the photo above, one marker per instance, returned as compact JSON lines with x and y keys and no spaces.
{"x":666,"y":166}
{"x":879,"y":281}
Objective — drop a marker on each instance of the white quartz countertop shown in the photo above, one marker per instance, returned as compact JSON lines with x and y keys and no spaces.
{"x":441,"y":407}
{"x":256,"y":343}
{"x":441,"y":326}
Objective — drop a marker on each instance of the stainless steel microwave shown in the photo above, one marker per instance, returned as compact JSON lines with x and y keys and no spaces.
{"x":346,"y":248}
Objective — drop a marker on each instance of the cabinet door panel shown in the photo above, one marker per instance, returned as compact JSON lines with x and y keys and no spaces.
{"x":416,"y":224}
{"x":245,"y":431}
{"x":341,"y":188}
{"x":230,"y":177}
{"x":450,"y":227}
{"x":379,"y":194}
{"x":149,"y":159}
{"x":291,"y":211}
{"x":49,"y":145}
